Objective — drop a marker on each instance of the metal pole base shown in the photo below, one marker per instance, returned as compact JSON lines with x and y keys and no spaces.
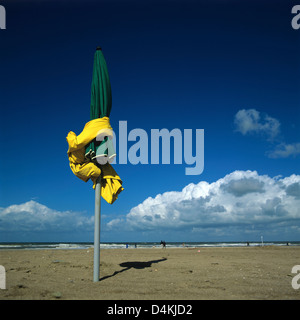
{"x":97,"y":231}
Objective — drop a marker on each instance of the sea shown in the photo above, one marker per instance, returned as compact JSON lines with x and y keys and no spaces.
{"x":135,"y":245}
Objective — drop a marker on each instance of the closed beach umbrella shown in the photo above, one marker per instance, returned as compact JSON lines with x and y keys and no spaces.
{"x":101,"y":103}
{"x":91,"y":151}
{"x":100,"y":107}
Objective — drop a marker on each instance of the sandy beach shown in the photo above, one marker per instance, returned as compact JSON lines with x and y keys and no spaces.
{"x":152,"y":274}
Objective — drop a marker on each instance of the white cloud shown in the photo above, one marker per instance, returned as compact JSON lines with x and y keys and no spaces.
{"x":248,"y":121}
{"x":33,"y":217}
{"x":285,"y":150}
{"x":237,"y":206}
{"x":240,"y":202}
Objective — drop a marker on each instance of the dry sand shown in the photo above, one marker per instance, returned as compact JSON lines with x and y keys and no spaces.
{"x":172,"y":274}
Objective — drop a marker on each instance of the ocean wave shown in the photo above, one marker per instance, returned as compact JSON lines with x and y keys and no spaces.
{"x":137,"y":245}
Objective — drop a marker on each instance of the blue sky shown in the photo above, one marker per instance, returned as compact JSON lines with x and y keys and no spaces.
{"x":228,"y":67}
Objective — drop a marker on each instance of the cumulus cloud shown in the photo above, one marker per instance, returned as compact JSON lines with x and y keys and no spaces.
{"x":240,"y":202}
{"x":236,"y":206}
{"x":284,"y":150}
{"x":243,"y":186}
{"x":251,"y":121}
{"x":33,"y":217}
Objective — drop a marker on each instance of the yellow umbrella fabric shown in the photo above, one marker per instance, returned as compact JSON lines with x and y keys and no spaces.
{"x":111,"y":183}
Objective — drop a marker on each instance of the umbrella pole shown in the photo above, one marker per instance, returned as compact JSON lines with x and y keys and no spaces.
{"x":97,"y":230}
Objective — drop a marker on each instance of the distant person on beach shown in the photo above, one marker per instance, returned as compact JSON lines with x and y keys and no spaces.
{"x":163,"y":243}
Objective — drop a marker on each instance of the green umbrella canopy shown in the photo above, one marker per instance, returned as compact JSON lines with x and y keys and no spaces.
{"x":101,"y":103}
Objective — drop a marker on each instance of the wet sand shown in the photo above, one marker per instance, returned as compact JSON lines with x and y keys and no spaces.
{"x":152,"y":274}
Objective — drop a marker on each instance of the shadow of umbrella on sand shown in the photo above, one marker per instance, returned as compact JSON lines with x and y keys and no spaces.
{"x":135,"y":265}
